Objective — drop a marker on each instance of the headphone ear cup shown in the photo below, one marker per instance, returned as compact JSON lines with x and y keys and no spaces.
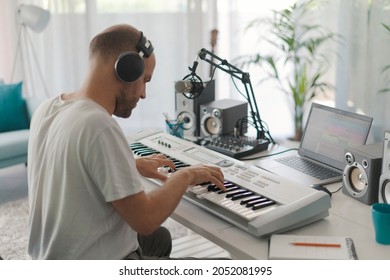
{"x":129,"y":67}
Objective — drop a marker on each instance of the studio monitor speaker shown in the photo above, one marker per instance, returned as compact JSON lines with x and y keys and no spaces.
{"x":189,"y":109}
{"x":219,"y":117}
{"x":362,"y":171}
{"x":384,"y":182}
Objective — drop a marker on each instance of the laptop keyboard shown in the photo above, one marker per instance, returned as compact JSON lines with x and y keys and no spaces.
{"x":308,"y":167}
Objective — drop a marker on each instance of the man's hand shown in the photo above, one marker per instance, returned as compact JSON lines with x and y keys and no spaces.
{"x":199,"y":173}
{"x":148,"y":166}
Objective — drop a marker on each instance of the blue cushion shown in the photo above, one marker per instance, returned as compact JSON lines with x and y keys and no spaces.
{"x":12,"y":108}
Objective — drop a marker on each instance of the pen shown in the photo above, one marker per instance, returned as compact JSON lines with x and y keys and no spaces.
{"x":166,"y":117}
{"x":307,"y":244}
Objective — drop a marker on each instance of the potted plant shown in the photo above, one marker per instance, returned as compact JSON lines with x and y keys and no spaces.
{"x":297,"y":46}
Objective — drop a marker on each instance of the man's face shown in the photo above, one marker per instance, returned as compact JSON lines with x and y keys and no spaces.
{"x":129,"y":94}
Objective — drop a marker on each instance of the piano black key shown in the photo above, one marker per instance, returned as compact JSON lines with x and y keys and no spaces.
{"x":242,"y":195}
{"x":146,"y":153}
{"x":180,"y":165}
{"x":232,"y":193}
{"x":231,"y":189}
{"x":229,"y":186}
{"x":137,"y":144}
{"x":263,"y":204}
{"x":143,"y":148}
{"x":134,"y":148}
{"x":140,"y":149}
{"x":212,"y":188}
{"x":245,"y":201}
{"x":257,"y":201}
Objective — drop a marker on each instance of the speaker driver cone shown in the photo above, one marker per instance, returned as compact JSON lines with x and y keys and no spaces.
{"x":213,"y":126}
{"x":188,"y":120}
{"x":357,"y":179}
{"x":385,"y":191}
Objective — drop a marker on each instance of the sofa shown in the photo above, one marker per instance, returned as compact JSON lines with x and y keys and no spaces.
{"x":15,"y":114}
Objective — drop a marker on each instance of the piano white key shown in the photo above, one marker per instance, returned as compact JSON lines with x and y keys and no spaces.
{"x":227,"y":203}
{"x":198,"y":189}
{"x":235,"y":206}
{"x":222,"y":201}
{"x":233,"y":191}
{"x":248,"y":213}
{"x":212,"y":196}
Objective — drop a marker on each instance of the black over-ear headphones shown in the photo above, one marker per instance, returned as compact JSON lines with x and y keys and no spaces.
{"x":130,"y":66}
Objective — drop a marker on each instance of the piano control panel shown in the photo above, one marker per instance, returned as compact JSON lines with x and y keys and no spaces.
{"x":256,"y":201}
{"x":204,"y":156}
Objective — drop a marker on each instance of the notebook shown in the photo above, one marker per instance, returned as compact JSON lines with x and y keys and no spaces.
{"x":306,"y":247}
{"x":328,"y":132}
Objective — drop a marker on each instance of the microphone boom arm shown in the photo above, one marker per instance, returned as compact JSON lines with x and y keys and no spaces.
{"x":234,"y":72}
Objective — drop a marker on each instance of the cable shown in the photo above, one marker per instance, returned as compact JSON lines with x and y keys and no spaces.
{"x":337,"y":189}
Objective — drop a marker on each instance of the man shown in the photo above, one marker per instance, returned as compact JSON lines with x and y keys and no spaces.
{"x":85,"y":193}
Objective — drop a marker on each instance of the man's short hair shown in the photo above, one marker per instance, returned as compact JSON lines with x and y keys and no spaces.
{"x":114,"y":41}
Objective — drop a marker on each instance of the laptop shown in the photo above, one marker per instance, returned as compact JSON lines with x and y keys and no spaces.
{"x":328,"y":132}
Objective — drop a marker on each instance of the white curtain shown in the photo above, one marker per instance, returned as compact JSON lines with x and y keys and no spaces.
{"x":179,"y":29}
{"x":177,"y":32}
{"x":7,"y":38}
{"x":370,"y":79}
{"x":62,"y":48}
{"x":362,"y":55}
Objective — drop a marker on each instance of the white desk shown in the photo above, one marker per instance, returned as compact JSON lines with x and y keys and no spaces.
{"x":348,"y":217}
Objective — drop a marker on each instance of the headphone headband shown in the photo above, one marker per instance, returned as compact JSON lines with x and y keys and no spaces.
{"x":130,"y":66}
{"x":144,"y":46}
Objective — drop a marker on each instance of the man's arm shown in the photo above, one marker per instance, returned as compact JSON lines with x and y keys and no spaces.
{"x":145,"y":212}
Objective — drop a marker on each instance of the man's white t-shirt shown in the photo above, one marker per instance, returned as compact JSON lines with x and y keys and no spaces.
{"x":78,"y":162}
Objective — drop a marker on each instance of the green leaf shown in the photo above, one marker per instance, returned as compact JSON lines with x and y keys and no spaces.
{"x":295,"y":45}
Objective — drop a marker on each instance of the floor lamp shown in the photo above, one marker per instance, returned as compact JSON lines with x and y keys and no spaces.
{"x":36,"y":19}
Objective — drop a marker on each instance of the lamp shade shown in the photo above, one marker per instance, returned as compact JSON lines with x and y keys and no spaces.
{"x":34,"y":17}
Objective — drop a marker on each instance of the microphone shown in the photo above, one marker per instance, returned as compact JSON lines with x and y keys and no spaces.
{"x":185,"y":86}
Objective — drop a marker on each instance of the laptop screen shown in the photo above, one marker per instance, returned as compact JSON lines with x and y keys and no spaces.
{"x":329,"y":131}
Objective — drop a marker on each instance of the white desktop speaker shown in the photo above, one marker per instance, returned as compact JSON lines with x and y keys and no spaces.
{"x":188,"y":109}
{"x":220,"y":116}
{"x":362,"y":171}
{"x":384,"y":181}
